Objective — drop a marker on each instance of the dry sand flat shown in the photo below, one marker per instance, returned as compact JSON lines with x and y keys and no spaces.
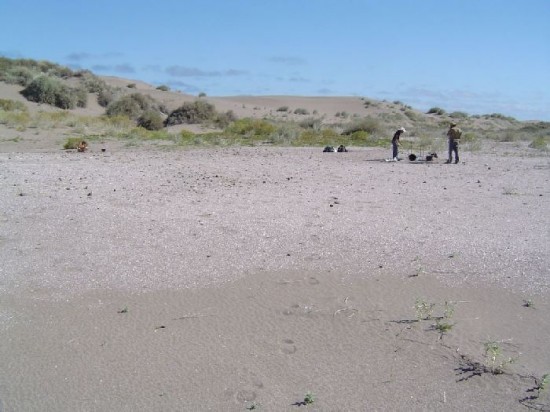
{"x":250,"y":276}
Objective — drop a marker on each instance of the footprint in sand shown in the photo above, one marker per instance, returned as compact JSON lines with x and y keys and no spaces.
{"x":246,"y":395}
{"x":288,"y":347}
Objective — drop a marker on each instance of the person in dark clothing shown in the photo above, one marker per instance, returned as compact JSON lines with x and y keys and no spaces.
{"x":395,"y":143}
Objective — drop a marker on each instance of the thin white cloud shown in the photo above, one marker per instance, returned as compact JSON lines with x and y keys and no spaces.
{"x":186,"y":87}
{"x":119,"y":68}
{"x":183,"y":71}
{"x":79,"y":56}
{"x":298,"y":79}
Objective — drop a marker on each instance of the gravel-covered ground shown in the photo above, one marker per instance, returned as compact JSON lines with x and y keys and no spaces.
{"x":240,"y":278}
{"x":141,"y":220}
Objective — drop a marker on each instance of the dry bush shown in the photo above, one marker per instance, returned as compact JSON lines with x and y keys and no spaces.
{"x":198,"y":111}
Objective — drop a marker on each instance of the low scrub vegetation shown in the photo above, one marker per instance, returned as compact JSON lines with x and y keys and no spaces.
{"x":367,"y":124}
{"x":199,"y":112}
{"x":133,"y":106}
{"x":195,"y":112}
{"x":50,"y":90}
{"x":9,"y":105}
{"x":151,"y":120}
{"x":250,"y":128}
{"x":436,"y":110}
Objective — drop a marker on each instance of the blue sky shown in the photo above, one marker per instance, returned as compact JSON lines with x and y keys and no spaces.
{"x":477,"y":56}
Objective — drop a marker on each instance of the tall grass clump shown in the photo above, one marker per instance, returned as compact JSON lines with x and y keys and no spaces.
{"x":368,"y":124}
{"x":251,"y":128}
{"x":9,"y":105}
{"x":539,"y":143}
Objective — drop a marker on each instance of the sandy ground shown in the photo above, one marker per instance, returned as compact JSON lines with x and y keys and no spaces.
{"x":227,"y":279}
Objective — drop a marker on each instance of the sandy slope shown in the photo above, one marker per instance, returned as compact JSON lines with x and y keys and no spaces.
{"x":255,"y":275}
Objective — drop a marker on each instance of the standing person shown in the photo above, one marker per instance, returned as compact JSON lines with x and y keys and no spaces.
{"x":395,"y":143}
{"x":453,"y":134}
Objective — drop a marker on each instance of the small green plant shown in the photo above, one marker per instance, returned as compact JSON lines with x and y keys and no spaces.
{"x":423,"y":309}
{"x":443,"y":327}
{"x":253,"y":406}
{"x":442,"y":324}
{"x":124,"y":310}
{"x":449,"y":310}
{"x":367,"y":124}
{"x":202,"y":94}
{"x":543,"y":385}
{"x":528,"y":303}
{"x":131,"y":85}
{"x":496,"y":362}
{"x":163,"y":88}
{"x":72,"y":143}
{"x":283,"y":109}
{"x":309,"y":398}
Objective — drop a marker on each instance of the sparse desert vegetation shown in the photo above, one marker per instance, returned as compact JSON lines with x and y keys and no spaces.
{"x":53,"y":85}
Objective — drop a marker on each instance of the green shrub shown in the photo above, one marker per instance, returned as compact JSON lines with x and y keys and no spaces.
{"x":72,"y":143}
{"x":198,"y":111}
{"x":50,"y":90}
{"x":436,"y":110}
{"x":539,"y":143}
{"x":301,"y":111}
{"x":222,"y":120}
{"x":499,"y":116}
{"x":367,"y":124}
{"x":311,"y":123}
{"x":283,"y":109}
{"x":132,"y":105}
{"x":202,"y":94}
{"x":105,"y":97}
{"x":251,"y":127}
{"x":458,"y":115}
{"x":22,"y":76}
{"x":411,"y":115}
{"x":151,"y":120}
{"x":9,"y":105}
{"x":17,"y":119}
{"x":163,"y":88}
{"x":284,"y":133}
{"x":131,"y":85}
{"x":125,"y":106}
{"x":92,"y":83}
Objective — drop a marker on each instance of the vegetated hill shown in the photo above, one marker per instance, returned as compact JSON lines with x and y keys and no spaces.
{"x":341,"y":114}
